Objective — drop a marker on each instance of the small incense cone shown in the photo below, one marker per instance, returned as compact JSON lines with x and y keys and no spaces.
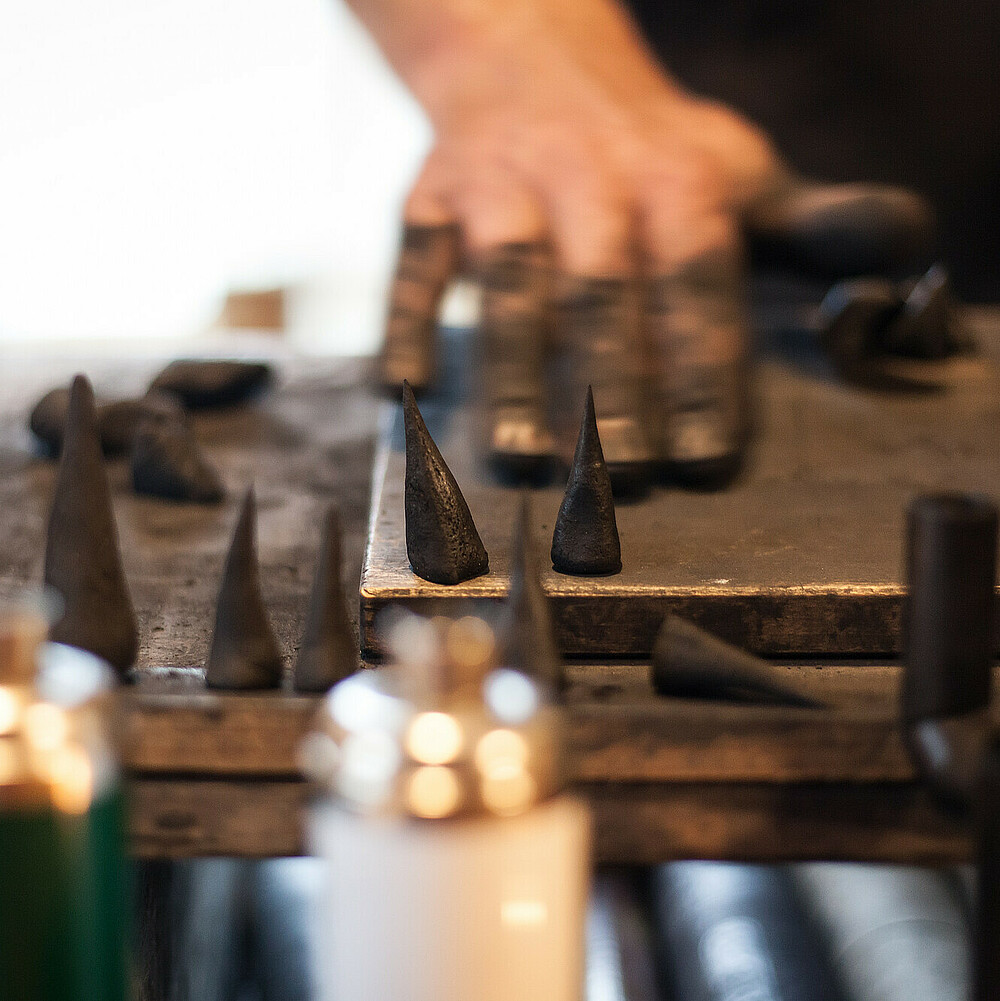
{"x":82,"y":559}
{"x":442,"y":541}
{"x":119,"y":420}
{"x":525,"y":638}
{"x":585,"y":541}
{"x":167,"y":462}
{"x":329,"y":651}
{"x":690,"y":663}
{"x":244,"y":652}
{"x":854,"y":319}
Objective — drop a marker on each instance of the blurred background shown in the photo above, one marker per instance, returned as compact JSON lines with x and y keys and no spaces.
{"x":154,"y":156}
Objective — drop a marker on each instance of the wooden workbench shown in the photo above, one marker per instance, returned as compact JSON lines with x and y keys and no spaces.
{"x":216,"y":774}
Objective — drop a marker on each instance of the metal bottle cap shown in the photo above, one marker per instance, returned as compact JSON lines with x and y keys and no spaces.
{"x":443,"y":732}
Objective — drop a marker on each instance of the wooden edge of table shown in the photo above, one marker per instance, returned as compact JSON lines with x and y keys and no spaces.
{"x":634,"y":824}
{"x":216,"y":773}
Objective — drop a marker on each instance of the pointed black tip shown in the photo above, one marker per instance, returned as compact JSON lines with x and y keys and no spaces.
{"x":585,"y":540}
{"x":328,"y":652}
{"x":526,"y":640}
{"x":248,"y":507}
{"x":588,"y":444}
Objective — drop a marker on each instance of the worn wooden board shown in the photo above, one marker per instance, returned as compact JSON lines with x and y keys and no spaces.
{"x":803,"y":556}
{"x":215,"y":773}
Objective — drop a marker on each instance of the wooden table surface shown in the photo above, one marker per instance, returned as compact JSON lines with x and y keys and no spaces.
{"x":216,"y":774}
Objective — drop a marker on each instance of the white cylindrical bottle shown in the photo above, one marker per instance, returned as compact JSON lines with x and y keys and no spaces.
{"x":454,"y":867}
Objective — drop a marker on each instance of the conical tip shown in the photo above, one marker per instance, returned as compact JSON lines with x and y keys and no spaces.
{"x":82,"y":403}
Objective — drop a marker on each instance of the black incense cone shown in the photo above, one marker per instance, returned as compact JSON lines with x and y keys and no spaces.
{"x":854,"y":319}
{"x":82,"y":560}
{"x":203,"y":383}
{"x":441,"y":538}
{"x":329,"y":651}
{"x":690,"y":663}
{"x":244,"y":652}
{"x":168,"y":463}
{"x":928,"y":326}
{"x":525,"y":639}
{"x":585,"y":540}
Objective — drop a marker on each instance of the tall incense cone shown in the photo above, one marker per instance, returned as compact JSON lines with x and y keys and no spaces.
{"x":244,"y":652}
{"x":329,"y":651}
{"x":441,"y":538}
{"x":585,"y":540}
{"x":525,"y":638}
{"x":82,"y":560}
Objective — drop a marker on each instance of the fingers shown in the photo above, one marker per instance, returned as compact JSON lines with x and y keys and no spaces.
{"x":600,"y":328}
{"x":515,"y":279}
{"x":427,"y":259}
{"x":698,"y":336}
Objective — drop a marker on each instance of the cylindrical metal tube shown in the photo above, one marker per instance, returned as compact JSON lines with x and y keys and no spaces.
{"x":948,"y":623}
{"x":894,"y":932}
{"x":733,"y":932}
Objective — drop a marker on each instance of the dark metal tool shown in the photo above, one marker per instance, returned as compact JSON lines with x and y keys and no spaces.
{"x":690,"y":663}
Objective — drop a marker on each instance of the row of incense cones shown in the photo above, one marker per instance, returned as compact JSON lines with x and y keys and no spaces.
{"x":83,"y":564}
{"x":442,"y":542}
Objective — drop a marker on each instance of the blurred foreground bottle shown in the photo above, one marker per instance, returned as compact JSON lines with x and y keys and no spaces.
{"x":63,"y":876}
{"x":455,"y":868}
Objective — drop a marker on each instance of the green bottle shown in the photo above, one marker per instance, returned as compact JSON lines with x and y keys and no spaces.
{"x":64,"y":887}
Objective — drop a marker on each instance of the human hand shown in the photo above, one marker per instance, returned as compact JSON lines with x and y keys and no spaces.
{"x":597,"y":202}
